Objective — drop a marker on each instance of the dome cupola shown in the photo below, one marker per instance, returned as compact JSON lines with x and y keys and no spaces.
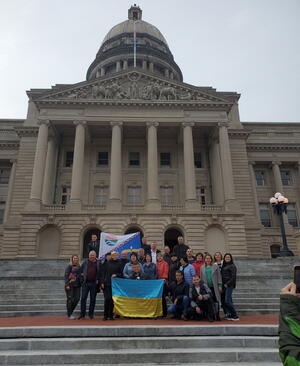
{"x":134,"y":44}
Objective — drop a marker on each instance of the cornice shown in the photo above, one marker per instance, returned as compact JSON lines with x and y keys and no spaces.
{"x":27,"y":131}
{"x":238,"y":134}
{"x":272,"y":147}
{"x":11,"y":145}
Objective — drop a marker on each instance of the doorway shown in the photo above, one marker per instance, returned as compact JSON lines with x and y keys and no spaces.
{"x":171,"y":236}
{"x":87,"y":239}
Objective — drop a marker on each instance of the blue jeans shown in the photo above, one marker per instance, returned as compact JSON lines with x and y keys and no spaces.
{"x":181,"y":308}
{"x":229,"y":307}
{"x":88,"y":287}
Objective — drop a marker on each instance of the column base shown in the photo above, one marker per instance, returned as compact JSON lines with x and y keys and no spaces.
{"x":153,"y":205}
{"x":192,"y":205}
{"x":33,"y":204}
{"x":114,"y":205}
{"x":74,"y":206}
{"x":232,"y":205}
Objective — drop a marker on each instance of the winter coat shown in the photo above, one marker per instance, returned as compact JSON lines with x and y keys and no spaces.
{"x":180,"y":250}
{"x":178,"y":290}
{"x":150,"y":271}
{"x":204,"y":291}
{"x":216,"y":279}
{"x":228,"y":272}
{"x":188,"y":272}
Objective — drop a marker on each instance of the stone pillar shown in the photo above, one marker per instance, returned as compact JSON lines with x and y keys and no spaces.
{"x":102,"y":71}
{"x":226,"y":166}
{"x":39,"y":166}
{"x":277,"y":176}
{"x":144,"y":64}
{"x":151,"y":66}
{"x":167,"y":73}
{"x":171,"y":75}
{"x":253,"y":184}
{"x":10,"y":189}
{"x":189,"y":166}
{"x":118,"y":66}
{"x":115,"y":194}
{"x":153,"y":202}
{"x":78,"y":164}
{"x":49,"y":178}
{"x":125,"y":64}
{"x":216,"y":172}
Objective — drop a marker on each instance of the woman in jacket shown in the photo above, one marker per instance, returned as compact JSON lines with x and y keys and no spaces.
{"x":149,"y":267}
{"x":211,"y":276}
{"x":229,"y":283}
{"x":127,"y":271}
{"x":72,"y":284}
{"x":198,"y":263}
{"x":163,"y":274}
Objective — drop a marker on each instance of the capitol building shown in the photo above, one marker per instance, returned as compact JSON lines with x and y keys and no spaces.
{"x":135,"y":148}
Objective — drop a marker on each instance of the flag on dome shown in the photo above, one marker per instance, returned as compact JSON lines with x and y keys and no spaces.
{"x":119,"y":243}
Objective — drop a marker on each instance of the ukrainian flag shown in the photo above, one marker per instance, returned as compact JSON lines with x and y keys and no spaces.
{"x":137,"y":298}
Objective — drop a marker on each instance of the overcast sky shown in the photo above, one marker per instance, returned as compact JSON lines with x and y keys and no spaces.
{"x":248,"y":46}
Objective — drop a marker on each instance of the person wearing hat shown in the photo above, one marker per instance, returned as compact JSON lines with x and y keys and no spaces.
{"x":173,"y":267}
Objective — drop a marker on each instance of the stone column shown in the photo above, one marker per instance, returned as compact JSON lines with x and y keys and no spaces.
{"x":47,"y":195}
{"x":189,"y":165}
{"x":253,"y":184}
{"x":151,"y":66}
{"x":144,"y":64}
{"x":152,"y":173}
{"x":167,"y":73}
{"x":115,"y":194}
{"x":125,"y":64}
{"x":102,"y":71}
{"x":39,"y":166}
{"x":10,"y":189}
{"x":78,"y":164}
{"x":277,"y":176}
{"x":226,"y":166}
{"x":118,"y":66}
{"x":216,"y":172}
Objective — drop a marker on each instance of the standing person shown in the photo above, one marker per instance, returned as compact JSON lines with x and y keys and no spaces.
{"x":136,"y":273}
{"x":190,"y":256}
{"x":229,"y":283}
{"x":110,"y":269}
{"x":163,"y":274}
{"x":218,"y":258}
{"x":211,"y":275}
{"x":167,"y":255}
{"x":180,"y":248}
{"x":154,"y":251}
{"x":198,"y":263}
{"x":188,"y":270}
{"x":72,"y":284}
{"x":201,"y":299}
{"x":123,"y":260}
{"x":150,"y":268}
{"x":127,"y":271}
{"x":179,"y":291}
{"x":90,"y":270}
{"x":94,"y":244}
{"x":173,"y":267}
{"x":141,"y":256}
{"x":144,"y":245}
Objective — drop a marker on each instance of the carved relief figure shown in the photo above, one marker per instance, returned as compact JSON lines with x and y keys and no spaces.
{"x":167,"y":93}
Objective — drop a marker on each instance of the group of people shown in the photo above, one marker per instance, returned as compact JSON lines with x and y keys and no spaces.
{"x":197,"y":285}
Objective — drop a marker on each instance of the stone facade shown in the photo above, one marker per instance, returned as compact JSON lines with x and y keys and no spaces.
{"x":136,"y":148}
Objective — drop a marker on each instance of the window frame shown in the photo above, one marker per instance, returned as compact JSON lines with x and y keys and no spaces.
{"x":165,"y":166}
{"x":268,"y":210}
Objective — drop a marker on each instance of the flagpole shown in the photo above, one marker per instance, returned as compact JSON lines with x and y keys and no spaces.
{"x":134,"y":45}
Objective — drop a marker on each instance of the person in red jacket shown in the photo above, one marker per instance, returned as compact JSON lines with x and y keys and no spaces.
{"x":198,"y":263}
{"x":163,"y":274}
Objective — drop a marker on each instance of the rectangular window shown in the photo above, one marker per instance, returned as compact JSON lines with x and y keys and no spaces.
{"x":102,"y":158}
{"x":265,"y":216}
{"x":165,"y":160}
{"x":134,"y":159}
{"x":65,"y":195}
{"x":260,"y":178}
{"x":134,"y":196}
{"x":2,"y":209}
{"x":292,"y":214}
{"x":167,"y":195}
{"x":101,"y":196}
{"x":197,"y":160}
{"x":69,"y":159}
{"x":4,"y":175}
{"x":286,"y":177}
{"x":200,"y":193}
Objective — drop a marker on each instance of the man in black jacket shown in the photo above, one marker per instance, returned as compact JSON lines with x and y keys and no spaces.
{"x":179,"y":291}
{"x":180,"y":248}
{"x":201,"y":300}
{"x":94,"y":244}
{"x":109,"y":270}
{"x":136,"y":272}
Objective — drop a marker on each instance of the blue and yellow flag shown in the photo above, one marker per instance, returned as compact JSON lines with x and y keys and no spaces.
{"x":137,"y":298}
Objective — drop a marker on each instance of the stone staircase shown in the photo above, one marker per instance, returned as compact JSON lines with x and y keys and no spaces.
{"x":35,"y":287}
{"x":135,"y":345}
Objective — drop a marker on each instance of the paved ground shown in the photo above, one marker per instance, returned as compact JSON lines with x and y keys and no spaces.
{"x":62,"y":321}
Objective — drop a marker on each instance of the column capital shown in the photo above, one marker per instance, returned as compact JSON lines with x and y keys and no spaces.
{"x":222,"y":124}
{"x":43,"y":122}
{"x":116,"y":123}
{"x":83,"y":123}
{"x":251,"y":162}
{"x":188,"y":124}
{"x":13,"y":161}
{"x":275,"y":162}
{"x":150,"y":124}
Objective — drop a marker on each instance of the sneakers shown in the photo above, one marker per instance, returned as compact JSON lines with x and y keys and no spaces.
{"x":72,"y":317}
{"x":234,"y":318}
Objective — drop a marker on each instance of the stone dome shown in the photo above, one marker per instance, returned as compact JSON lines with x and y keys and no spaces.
{"x":134,"y":44}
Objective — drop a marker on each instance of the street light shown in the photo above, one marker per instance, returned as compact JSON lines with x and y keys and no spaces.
{"x":279,"y":203}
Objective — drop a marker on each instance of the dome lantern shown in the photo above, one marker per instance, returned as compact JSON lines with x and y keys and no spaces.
{"x":135,"y":13}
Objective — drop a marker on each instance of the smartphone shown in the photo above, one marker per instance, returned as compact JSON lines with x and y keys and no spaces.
{"x":297,"y":278}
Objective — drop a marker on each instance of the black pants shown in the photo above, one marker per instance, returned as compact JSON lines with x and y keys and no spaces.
{"x":108,"y":302}
{"x":207,"y":306}
{"x":73,"y":296}
{"x":88,"y":287}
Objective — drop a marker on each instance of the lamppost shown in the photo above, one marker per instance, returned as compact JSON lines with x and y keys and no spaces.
{"x":279,"y":203}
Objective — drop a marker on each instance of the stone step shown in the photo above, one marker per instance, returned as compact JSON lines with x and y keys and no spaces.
{"x":129,"y":356}
{"x":35,"y":344}
{"x":183,"y":364}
